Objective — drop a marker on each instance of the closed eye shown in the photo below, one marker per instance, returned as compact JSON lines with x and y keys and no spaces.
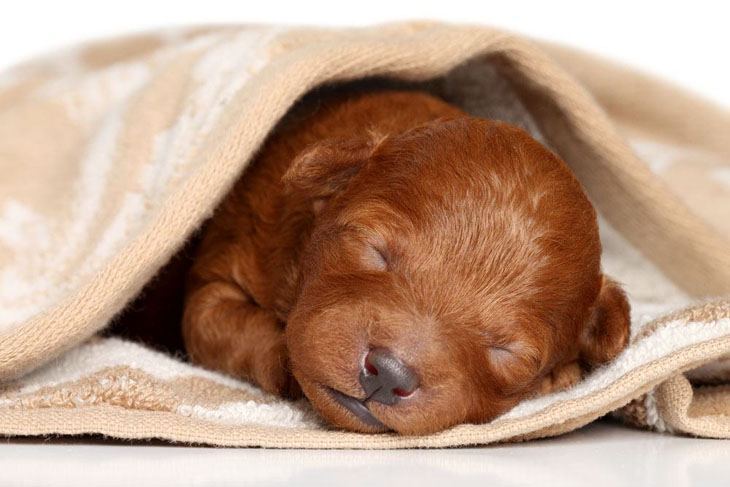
{"x":374,"y":258}
{"x":499,"y":355}
{"x":514,"y":362}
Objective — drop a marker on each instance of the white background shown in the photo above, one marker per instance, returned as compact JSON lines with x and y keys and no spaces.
{"x":683,"y":41}
{"x":686,"y":41}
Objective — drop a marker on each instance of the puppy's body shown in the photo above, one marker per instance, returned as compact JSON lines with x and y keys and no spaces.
{"x":391,"y":224}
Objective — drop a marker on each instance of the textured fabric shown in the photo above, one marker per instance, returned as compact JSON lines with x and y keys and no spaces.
{"x":113,"y":153}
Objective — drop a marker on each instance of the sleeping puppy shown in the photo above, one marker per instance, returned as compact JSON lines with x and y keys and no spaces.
{"x":406,"y":266}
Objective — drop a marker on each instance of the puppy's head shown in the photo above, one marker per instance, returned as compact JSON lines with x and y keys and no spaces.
{"x":450,"y":269}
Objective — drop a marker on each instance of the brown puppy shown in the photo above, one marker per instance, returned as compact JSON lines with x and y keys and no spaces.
{"x":408,"y":266}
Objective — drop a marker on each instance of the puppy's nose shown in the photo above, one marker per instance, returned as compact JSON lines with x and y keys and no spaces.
{"x":385,"y":378}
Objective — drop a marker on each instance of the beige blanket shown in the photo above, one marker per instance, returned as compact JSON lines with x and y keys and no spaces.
{"x":112,"y":153}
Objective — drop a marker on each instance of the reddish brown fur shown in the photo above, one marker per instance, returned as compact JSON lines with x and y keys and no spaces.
{"x":492,"y":291}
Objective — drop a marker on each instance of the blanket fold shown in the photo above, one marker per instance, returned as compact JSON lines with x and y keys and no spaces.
{"x":114,"y":153}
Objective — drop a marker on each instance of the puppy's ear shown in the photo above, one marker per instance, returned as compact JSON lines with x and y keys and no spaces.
{"x":325,"y":167}
{"x":607,"y":330}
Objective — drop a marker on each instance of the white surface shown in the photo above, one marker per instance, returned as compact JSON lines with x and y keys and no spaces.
{"x":600,"y":455}
{"x":683,"y":41}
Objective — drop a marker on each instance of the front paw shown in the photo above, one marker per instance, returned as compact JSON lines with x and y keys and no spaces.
{"x":272,"y":373}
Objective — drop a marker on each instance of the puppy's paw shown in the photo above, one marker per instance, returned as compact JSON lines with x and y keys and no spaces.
{"x":560,"y":378}
{"x":271,"y":371}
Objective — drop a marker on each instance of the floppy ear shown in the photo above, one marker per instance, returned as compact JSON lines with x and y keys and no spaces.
{"x":326,"y":166}
{"x":607,"y":330}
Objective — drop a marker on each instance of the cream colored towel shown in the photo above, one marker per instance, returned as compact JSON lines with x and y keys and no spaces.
{"x":111,"y":154}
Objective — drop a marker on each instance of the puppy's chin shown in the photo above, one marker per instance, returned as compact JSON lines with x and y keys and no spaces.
{"x":342,"y":410}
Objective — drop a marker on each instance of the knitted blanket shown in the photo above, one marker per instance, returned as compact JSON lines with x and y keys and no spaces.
{"x":113,"y":153}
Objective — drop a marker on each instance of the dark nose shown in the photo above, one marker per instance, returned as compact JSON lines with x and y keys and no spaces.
{"x":385,"y":378}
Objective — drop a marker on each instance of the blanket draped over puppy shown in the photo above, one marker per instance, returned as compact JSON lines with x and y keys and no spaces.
{"x":113,"y":153}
